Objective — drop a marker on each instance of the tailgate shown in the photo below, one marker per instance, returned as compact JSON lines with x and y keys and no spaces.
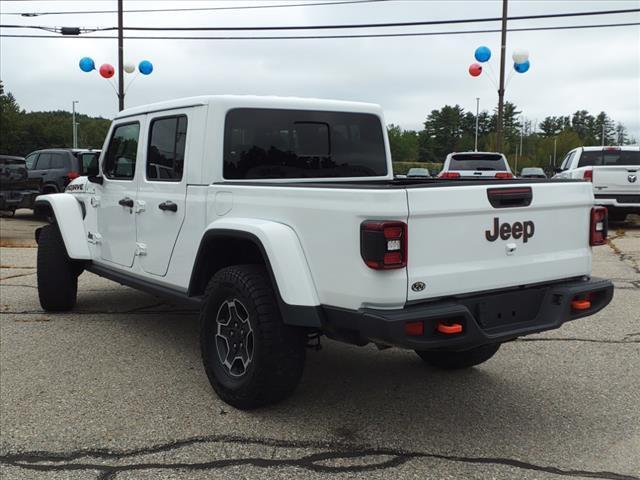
{"x":454,"y":248}
{"x":619,"y":179}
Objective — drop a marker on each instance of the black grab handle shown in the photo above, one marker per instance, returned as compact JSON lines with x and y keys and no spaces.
{"x":126,"y":202}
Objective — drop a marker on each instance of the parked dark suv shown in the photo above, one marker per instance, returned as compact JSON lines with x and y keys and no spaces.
{"x":57,"y":167}
{"x":17,"y":190}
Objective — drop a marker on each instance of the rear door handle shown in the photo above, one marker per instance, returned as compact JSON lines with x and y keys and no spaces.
{"x":126,"y":202}
{"x":168,"y":205}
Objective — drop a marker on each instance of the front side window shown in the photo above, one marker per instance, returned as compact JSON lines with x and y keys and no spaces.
{"x":273,"y":143}
{"x":30,"y":161}
{"x":120,"y":159}
{"x":165,"y":155}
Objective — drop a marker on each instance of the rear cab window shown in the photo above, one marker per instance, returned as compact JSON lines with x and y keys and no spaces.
{"x":277,"y":143}
{"x":165,"y":153}
{"x":609,"y":157}
{"x":120,"y":159}
{"x":477,"y":162}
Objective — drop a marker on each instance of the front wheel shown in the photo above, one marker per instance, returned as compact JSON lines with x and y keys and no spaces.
{"x":57,"y":273}
{"x":452,"y":360}
{"x":252,"y":359}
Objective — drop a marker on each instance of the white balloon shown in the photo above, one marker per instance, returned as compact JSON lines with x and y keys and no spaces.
{"x":129,"y":67}
{"x":520,"y":55}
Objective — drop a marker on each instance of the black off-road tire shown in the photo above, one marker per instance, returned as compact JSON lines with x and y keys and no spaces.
{"x":245,"y":293}
{"x":452,"y":360}
{"x":57,"y":273}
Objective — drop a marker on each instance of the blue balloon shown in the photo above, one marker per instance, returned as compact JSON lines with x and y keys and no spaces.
{"x":145,"y":67}
{"x":482,"y":54}
{"x":521,"y":67}
{"x":87,"y":64}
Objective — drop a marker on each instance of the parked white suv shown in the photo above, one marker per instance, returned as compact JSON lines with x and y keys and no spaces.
{"x":613,"y":172}
{"x":481,"y":165}
{"x":280,"y":218}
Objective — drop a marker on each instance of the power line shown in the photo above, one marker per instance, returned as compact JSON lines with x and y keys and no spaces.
{"x":194,"y":9}
{"x":321,"y":37}
{"x":356,"y":26}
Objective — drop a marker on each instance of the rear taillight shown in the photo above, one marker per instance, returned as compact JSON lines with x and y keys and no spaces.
{"x":449,"y":175}
{"x":72,"y":175}
{"x":598,"y":231}
{"x":504,"y":175}
{"x":383,"y":244}
{"x":588,"y":175}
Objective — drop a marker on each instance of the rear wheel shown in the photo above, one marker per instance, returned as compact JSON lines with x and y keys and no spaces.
{"x":57,"y":273}
{"x":251,"y":358}
{"x":452,"y":360}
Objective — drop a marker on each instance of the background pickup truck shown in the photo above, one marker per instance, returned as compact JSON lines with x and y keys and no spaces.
{"x":17,"y":190}
{"x":280,"y":218}
{"x":613,"y":172}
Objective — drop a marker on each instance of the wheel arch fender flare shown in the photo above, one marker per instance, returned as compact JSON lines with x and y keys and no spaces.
{"x":69,"y":215}
{"x":284,"y":258}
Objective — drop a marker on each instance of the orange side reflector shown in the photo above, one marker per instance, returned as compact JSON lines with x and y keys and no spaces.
{"x":580,"y":304}
{"x":449,"y":329}
{"x":414,"y":329}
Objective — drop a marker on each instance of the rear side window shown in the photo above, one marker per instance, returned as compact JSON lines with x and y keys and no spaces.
{"x":44,"y":161}
{"x":165,"y":155}
{"x":477,"y":161}
{"x":58,"y":160}
{"x":275,"y":143}
{"x":609,"y":157}
{"x":120,"y":159}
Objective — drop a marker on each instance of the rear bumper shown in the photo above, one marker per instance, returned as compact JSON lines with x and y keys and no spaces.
{"x":625,"y":202}
{"x":14,"y":199}
{"x":486,"y":318}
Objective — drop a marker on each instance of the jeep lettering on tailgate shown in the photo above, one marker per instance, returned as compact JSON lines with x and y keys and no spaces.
{"x":524,"y":230}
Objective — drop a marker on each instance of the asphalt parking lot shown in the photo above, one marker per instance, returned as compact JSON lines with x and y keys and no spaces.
{"x":116,"y":390}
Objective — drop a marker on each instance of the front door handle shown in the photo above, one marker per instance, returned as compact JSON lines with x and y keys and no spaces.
{"x":126,"y":202}
{"x":168,"y":205}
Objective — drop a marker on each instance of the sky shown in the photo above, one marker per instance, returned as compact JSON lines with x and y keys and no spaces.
{"x":592,"y":69}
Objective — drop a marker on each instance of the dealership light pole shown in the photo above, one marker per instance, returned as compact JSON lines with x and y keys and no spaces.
{"x":75,"y":125}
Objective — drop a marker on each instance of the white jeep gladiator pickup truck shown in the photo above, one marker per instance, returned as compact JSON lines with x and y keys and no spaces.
{"x":614,"y":173}
{"x":281,"y":219}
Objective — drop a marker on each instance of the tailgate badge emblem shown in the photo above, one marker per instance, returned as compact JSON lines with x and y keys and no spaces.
{"x":418,"y":286}
{"x":632,"y":178}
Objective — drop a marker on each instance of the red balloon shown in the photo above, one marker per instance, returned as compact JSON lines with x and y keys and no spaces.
{"x":107,"y":70}
{"x":475,"y":69}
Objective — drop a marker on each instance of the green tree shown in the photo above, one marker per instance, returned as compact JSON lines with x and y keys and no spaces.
{"x":10,"y":123}
{"x":403,"y":144}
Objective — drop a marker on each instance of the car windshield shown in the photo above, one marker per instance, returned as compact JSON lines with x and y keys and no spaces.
{"x":477,"y":161}
{"x":609,"y":157}
{"x":418,"y":172}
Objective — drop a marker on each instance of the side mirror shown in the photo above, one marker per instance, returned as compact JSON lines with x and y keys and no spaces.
{"x":557,"y":170}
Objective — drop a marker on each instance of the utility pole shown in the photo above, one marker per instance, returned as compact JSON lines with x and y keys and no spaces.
{"x":120,"y":59}
{"x":75,"y":125}
{"x":503,"y":48}
{"x":477,"y":113}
